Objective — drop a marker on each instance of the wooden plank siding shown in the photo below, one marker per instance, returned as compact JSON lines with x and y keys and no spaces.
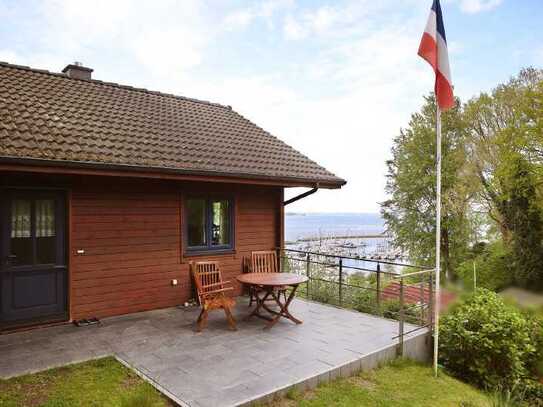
{"x":131,"y":232}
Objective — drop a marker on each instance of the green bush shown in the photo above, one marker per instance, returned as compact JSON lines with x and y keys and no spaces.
{"x":493,"y":264}
{"x":360,"y":294}
{"x":391,"y":309}
{"x":487,"y":342}
{"x":322,"y":286}
{"x":323,"y":291}
{"x":532,"y":393}
{"x":364,"y":300}
{"x":535,"y":322}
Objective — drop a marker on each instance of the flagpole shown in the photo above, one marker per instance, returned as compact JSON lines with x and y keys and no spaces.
{"x":438,"y":235}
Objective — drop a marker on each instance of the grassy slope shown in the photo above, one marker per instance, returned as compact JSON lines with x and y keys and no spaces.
{"x":401,"y":383}
{"x":103,"y":382}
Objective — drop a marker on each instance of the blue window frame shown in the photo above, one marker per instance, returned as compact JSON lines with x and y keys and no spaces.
{"x":209,"y":224}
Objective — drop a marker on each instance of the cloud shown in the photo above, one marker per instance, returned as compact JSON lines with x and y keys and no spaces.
{"x":342,"y":20}
{"x":477,"y":6}
{"x":324,"y":18}
{"x":239,"y":18}
{"x":538,"y":56}
{"x":292,"y":29}
{"x":168,"y":51}
{"x":8,"y":55}
{"x":362,"y":101}
{"x":127,"y":34}
{"x":455,"y":47}
{"x":316,"y":22}
{"x":242,"y":17}
{"x":319,"y":21}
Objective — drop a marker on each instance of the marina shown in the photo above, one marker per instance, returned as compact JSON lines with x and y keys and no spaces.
{"x":357,"y":237}
{"x":357,"y":251}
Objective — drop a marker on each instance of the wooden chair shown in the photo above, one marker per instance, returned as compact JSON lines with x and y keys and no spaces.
{"x":211,"y":291}
{"x":264,"y":261}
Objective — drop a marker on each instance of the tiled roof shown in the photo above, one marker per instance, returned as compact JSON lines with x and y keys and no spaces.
{"x":49,"y":116}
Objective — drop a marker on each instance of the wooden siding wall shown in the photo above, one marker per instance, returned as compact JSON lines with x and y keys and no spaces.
{"x":132,"y":236}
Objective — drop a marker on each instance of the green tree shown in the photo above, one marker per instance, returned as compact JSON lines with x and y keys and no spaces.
{"x":493,"y":266}
{"x":523,"y":210}
{"x":492,"y":182}
{"x":502,"y":127}
{"x":409,"y":213}
{"x":506,"y":156}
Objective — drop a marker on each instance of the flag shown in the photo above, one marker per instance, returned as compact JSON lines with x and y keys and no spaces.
{"x":433,"y":48}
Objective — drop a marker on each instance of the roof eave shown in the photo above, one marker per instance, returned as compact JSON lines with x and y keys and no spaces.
{"x":97,"y":168}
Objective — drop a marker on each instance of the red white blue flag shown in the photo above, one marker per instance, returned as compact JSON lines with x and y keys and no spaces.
{"x":433,"y":48}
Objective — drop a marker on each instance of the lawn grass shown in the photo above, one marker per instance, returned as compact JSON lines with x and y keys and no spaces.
{"x":101,"y":382}
{"x":400,"y":383}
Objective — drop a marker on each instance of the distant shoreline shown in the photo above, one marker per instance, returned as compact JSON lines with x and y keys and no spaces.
{"x":310,"y":227}
{"x":331,"y":213}
{"x":313,"y":239}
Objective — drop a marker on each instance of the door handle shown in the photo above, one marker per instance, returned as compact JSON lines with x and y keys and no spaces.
{"x":10,"y":260}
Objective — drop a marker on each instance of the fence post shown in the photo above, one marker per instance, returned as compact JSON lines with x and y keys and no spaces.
{"x":340,"y":282}
{"x":431,"y":301}
{"x":308,"y":274}
{"x":378,"y":288}
{"x":402,"y":317}
{"x":422,"y":301}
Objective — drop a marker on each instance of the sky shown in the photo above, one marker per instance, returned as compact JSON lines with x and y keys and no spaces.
{"x":337,"y":80}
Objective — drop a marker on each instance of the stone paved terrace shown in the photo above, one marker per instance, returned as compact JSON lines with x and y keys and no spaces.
{"x":219,"y":367}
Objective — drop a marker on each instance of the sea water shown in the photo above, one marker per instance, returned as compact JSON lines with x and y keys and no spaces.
{"x":314,"y":225}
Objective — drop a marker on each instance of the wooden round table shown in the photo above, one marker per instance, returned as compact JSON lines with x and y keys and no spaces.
{"x":272,"y":284}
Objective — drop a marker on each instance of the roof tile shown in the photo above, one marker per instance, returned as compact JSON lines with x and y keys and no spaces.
{"x":47,"y":115}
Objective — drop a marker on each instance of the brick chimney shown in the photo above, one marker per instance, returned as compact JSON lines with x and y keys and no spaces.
{"x":77,"y":71}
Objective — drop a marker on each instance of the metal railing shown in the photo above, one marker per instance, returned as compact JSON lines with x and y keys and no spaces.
{"x":378,"y":287}
{"x":425,"y":305}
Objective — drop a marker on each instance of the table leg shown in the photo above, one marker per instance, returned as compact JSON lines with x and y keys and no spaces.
{"x":260,"y":303}
{"x":284,"y":312}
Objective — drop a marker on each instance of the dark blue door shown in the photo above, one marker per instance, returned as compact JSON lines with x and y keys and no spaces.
{"x":33,"y":273}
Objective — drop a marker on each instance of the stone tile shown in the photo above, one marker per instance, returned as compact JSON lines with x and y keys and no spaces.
{"x":272,"y":382}
{"x":307,"y":370}
{"x":280,"y":364}
{"x":231,"y":379}
{"x":225,"y":397}
{"x":146,"y":362}
{"x":338,"y":357}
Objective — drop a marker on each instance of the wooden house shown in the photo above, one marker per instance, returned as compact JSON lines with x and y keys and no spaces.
{"x":108,"y":191}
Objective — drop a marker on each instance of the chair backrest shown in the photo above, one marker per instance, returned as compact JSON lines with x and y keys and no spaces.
{"x":264,"y":262}
{"x":207,"y":275}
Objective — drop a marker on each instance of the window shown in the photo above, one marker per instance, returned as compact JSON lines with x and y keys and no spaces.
{"x":33,"y":231}
{"x":209,"y":224}
{"x":21,"y":238}
{"x":45,"y":231}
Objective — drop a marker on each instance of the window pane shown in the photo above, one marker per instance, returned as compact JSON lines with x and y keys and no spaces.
{"x":196,"y":221}
{"x":21,"y":241}
{"x":220,"y":229}
{"x":45,"y":231}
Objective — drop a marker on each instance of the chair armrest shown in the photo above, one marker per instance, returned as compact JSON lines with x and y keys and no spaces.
{"x":216,"y":284}
{"x":221,"y":284}
{"x":220,"y":290}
